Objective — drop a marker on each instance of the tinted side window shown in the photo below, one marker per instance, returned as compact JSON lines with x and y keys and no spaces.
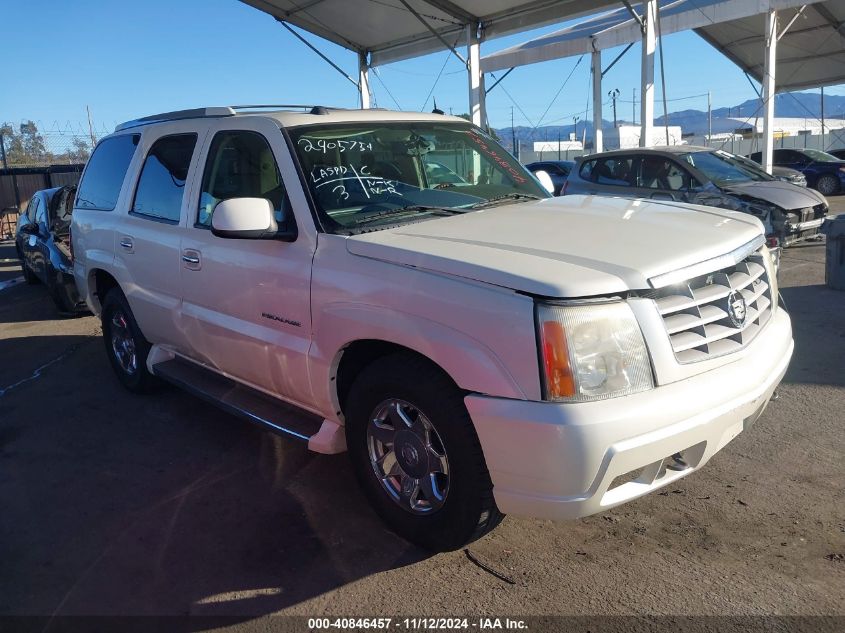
{"x":32,"y":208}
{"x":40,"y":213}
{"x":100,"y":187}
{"x":162,"y":181}
{"x":240,"y":164}
{"x":587,"y":170}
{"x":661,"y":173}
{"x":614,"y":171}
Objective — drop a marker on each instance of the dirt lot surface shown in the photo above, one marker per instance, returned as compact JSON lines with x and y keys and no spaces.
{"x":114,"y":504}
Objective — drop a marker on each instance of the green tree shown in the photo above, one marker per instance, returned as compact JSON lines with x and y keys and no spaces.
{"x":25,"y":146}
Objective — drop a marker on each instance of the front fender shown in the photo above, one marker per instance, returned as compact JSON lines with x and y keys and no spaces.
{"x":470,"y":363}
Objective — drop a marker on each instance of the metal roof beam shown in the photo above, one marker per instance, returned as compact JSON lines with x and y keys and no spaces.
{"x":435,"y":33}
{"x":792,"y":21}
{"x":830,"y":19}
{"x":454,"y":10}
{"x":304,"y":7}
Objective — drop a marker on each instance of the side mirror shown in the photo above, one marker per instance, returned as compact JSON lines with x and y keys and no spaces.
{"x":545,"y":180}
{"x":247,"y":219}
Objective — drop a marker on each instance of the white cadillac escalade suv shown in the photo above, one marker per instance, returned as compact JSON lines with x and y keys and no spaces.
{"x":398,"y":286}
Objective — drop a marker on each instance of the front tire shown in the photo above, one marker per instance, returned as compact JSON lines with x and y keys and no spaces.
{"x":827,"y":185}
{"x":126,"y":347}
{"x":416,"y":454}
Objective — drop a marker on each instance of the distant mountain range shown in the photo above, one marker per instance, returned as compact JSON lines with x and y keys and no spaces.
{"x":792,"y":105}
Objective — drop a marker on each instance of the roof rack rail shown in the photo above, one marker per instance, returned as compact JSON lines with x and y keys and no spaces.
{"x":267,"y":106}
{"x":194,"y":113}
{"x":312,"y":109}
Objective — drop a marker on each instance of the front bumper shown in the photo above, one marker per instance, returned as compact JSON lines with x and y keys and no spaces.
{"x":564,"y":461}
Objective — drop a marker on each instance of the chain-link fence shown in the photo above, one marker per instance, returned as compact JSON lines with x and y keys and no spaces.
{"x":32,"y":159}
{"x":24,"y":145}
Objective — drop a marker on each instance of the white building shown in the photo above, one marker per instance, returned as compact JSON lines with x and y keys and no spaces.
{"x":792,"y":126}
{"x":628,"y":136}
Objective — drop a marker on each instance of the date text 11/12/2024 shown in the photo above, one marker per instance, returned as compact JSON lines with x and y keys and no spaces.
{"x":417,"y":624}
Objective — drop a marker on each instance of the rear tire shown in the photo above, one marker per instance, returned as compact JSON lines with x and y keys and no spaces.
{"x":126,"y":347}
{"x":827,"y":185}
{"x":420,"y":414}
{"x":30,"y":277}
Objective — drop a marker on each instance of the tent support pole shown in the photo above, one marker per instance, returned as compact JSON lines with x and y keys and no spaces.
{"x":647,"y":73}
{"x":364,"y":80}
{"x":769,"y":88}
{"x":477,"y":109}
{"x":598,"y":145}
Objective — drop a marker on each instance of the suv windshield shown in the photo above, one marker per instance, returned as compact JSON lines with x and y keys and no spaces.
{"x":366,"y":176}
{"x":723,"y":168}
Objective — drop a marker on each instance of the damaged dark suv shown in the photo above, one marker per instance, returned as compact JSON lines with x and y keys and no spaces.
{"x":702,"y":175}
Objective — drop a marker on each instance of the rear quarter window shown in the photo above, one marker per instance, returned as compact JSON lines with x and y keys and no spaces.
{"x":586,"y":171}
{"x":100,"y":186}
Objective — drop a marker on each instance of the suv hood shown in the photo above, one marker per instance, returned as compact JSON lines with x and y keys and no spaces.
{"x":783,"y":194}
{"x":574,"y":246}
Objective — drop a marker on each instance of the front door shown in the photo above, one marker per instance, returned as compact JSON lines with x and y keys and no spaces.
{"x":246,"y":302}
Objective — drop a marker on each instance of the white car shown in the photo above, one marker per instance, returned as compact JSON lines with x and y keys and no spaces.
{"x":478,"y":349}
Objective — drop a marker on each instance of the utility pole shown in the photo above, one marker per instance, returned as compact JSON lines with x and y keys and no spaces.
{"x":575,"y":120}
{"x":709,"y":120}
{"x":513,"y":137}
{"x":91,"y":128}
{"x":558,"y":144}
{"x":613,"y":94}
{"x":634,"y":108}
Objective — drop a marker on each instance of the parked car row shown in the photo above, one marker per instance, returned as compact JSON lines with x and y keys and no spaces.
{"x":825,"y":172}
{"x":703,"y":176}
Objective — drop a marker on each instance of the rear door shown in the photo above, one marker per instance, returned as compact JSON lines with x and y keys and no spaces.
{"x":614,"y":176}
{"x":246,"y":302}
{"x":148,"y":239}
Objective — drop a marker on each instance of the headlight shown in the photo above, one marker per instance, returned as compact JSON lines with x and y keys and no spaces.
{"x":772,"y":273}
{"x":591,"y":351}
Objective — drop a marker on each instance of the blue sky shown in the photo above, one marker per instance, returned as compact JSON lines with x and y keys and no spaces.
{"x":124,"y":63}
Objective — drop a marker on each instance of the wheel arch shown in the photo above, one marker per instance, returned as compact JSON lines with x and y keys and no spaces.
{"x":360,"y":353}
{"x":100,"y":282}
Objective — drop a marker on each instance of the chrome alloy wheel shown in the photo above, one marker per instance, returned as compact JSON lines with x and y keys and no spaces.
{"x":408,"y":456}
{"x":122,"y":343}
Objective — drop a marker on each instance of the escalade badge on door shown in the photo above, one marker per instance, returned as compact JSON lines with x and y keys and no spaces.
{"x":737,"y":310}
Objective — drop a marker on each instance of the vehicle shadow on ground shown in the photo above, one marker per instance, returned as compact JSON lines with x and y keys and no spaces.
{"x":24,"y":302}
{"x":164,"y":505}
{"x":816,"y":313}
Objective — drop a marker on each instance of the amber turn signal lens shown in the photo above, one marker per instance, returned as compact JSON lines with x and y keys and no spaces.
{"x":560,"y":383}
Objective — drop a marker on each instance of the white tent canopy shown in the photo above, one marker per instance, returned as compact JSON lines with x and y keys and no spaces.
{"x":810,"y":54}
{"x":811,"y":35}
{"x":390,"y":31}
{"x":385,"y":31}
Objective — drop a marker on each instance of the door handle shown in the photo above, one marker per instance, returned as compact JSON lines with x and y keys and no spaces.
{"x":126,"y":243}
{"x":192,"y":259}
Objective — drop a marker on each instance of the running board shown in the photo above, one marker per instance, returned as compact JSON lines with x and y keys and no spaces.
{"x":240,"y":400}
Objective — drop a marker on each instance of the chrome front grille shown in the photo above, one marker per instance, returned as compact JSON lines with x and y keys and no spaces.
{"x":716,"y":313}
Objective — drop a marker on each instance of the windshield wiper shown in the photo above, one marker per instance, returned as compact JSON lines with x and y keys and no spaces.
{"x":506,"y":196}
{"x":433,"y":210}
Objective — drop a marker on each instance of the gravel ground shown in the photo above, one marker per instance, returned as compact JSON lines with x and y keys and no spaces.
{"x":115,"y":504}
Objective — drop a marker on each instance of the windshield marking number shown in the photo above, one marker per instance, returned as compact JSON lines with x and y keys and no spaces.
{"x":323,"y":146}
